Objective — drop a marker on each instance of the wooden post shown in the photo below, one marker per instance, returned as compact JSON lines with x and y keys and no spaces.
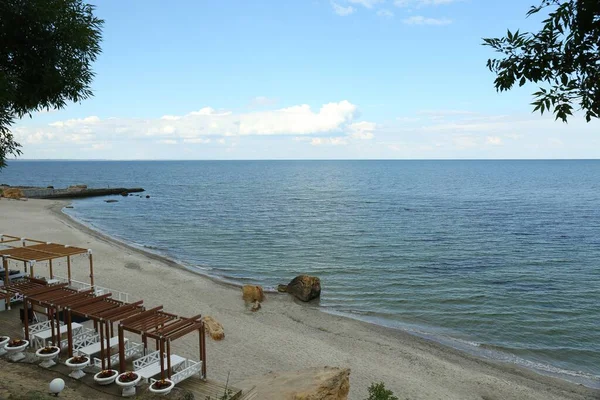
{"x":169,"y":358}
{"x":51,"y":271}
{"x":69,"y":269}
{"x":162,"y":358}
{"x":57,"y":327}
{"x":203,"y":350}
{"x":101,"y":326}
{"x":25,"y":266}
{"x":26,"y":317}
{"x":31,"y":269}
{"x":6,"y":283}
{"x":91,"y":269}
{"x":121,"y":349}
{"x":145,"y":341}
{"x":70,"y":334}
{"x":108,"y":344}
{"x":51,"y":318}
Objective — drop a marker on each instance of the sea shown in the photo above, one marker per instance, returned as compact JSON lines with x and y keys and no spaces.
{"x":497,"y":258}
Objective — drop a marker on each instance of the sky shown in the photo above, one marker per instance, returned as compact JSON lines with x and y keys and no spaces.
{"x":303,"y":79}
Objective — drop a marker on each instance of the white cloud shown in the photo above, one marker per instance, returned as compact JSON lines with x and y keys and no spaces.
{"x":341,"y":10}
{"x":362,"y":130}
{"x":385,"y":13}
{"x":420,"y":20}
{"x":332,"y":141}
{"x":101,"y":146}
{"x":197,"y":141}
{"x":77,"y":122}
{"x":366,"y":3}
{"x":298,"y":120}
{"x":205,"y":126}
{"x":494,"y":140}
{"x":421,"y":3}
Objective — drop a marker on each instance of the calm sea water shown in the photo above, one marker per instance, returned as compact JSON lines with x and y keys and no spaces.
{"x":497,"y":257}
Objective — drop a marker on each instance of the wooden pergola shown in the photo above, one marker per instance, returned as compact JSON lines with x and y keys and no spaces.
{"x":164,"y":328}
{"x":30,"y":254}
{"x":104,"y":311}
{"x":49,"y":297}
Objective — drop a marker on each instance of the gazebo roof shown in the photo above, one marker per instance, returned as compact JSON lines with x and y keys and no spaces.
{"x":41,"y":252}
{"x":157,"y":324}
{"x":25,"y":287}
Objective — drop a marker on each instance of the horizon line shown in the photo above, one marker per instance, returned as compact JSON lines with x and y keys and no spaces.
{"x":298,"y":159}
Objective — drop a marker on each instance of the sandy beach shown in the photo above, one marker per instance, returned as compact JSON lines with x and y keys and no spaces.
{"x":284,"y":335}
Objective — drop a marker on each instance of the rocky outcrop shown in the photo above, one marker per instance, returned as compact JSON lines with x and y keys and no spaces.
{"x":252,"y":293}
{"x":13,"y":193}
{"x":304,"y":287}
{"x":213,"y":328}
{"x":326,"y":383}
{"x":76,"y":188}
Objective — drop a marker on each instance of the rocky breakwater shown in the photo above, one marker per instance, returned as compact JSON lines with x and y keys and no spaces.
{"x":72,"y":192}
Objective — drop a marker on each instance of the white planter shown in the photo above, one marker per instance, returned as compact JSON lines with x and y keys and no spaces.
{"x":164,"y":391}
{"x":47,"y":359}
{"x":128,"y":387}
{"x":16,"y":353}
{"x":3,"y":342}
{"x":106,"y":381}
{"x":77,"y":369}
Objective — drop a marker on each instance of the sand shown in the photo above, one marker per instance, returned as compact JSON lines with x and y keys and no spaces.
{"x":284,"y":335}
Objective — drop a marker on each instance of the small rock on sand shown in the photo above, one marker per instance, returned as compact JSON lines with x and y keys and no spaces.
{"x":252,"y":293}
{"x":213,"y":328}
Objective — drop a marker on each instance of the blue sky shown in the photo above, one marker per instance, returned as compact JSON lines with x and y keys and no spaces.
{"x":303,"y":79}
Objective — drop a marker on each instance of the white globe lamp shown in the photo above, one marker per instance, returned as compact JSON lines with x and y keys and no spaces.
{"x":56,"y":386}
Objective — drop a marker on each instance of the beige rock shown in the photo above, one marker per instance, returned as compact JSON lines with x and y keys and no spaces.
{"x":252,"y":293}
{"x":325,"y":383}
{"x":213,"y":328}
{"x":12,"y":193}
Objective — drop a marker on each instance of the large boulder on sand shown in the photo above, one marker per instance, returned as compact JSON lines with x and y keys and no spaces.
{"x":213,"y":328}
{"x":305,"y":287}
{"x":252,"y":293}
{"x":325,"y":383}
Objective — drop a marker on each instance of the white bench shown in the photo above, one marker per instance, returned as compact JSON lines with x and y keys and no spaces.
{"x":40,"y":338}
{"x":96,"y":347}
{"x":153,"y":369}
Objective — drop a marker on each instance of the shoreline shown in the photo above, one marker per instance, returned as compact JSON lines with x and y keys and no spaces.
{"x":473,"y":349}
{"x":412,"y":366}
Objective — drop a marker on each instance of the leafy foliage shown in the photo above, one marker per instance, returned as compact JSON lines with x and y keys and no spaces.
{"x":563,"y":57}
{"x":377,"y":391}
{"x":46,"y":51}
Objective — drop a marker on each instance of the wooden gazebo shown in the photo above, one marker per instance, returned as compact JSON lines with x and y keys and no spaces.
{"x":35,"y":251}
{"x":164,"y":328}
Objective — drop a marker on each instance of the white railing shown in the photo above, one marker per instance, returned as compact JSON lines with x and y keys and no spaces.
{"x":85,"y":338}
{"x":98,"y":290}
{"x":142,"y":362}
{"x":132,"y":349}
{"x":40,"y":327}
{"x":187,"y":369}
